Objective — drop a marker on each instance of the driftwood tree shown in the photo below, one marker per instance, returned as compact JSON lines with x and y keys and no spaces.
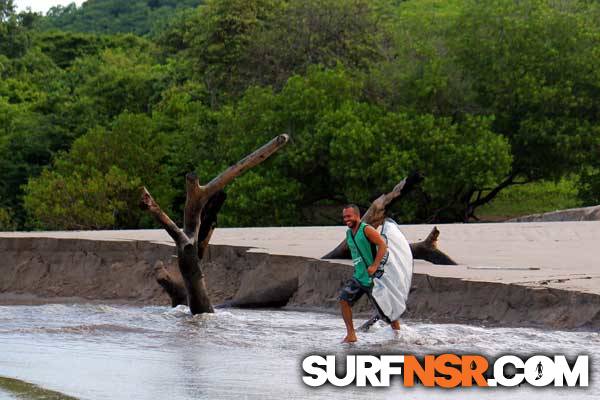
{"x":375,"y":215}
{"x":201,"y":208}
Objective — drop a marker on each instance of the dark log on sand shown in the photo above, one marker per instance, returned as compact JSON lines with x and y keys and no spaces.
{"x":375,"y":215}
{"x":200,"y":215}
{"x":427,"y":250}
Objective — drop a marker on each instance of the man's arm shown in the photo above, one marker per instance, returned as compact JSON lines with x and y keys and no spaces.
{"x":374,"y":237}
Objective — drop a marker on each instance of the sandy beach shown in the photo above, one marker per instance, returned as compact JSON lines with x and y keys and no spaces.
{"x":547,"y":254}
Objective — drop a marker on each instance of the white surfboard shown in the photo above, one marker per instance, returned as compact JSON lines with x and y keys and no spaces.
{"x":390,"y":291}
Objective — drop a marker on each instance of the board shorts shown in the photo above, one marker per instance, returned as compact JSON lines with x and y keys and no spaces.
{"x":353,"y":291}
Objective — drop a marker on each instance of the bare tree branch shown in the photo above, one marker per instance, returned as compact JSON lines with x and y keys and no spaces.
{"x":493,"y":193}
{"x":375,"y":215}
{"x":194,"y":202}
{"x":148,"y":203}
{"x":209,"y":220}
{"x":244,"y":164}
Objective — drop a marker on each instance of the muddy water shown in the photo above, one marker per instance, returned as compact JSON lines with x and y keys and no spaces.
{"x":122,"y":352}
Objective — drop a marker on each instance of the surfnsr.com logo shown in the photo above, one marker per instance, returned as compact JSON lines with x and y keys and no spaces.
{"x":447,"y":371}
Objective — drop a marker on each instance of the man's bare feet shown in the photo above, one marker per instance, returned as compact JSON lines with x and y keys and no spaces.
{"x":395,"y":325}
{"x":350,"y":338}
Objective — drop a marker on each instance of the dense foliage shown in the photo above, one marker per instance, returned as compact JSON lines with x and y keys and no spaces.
{"x":479,"y":96}
{"x":114,"y":16}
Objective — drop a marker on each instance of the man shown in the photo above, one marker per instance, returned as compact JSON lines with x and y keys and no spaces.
{"x":360,"y":237}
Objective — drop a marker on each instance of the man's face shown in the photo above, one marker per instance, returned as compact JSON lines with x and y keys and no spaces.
{"x":350,"y":217}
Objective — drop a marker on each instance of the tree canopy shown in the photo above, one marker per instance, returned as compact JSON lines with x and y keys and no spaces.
{"x":114,"y":16}
{"x":478,"y":96}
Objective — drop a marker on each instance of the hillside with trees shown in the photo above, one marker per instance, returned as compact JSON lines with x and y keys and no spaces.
{"x":481,"y":97}
{"x":114,"y":16}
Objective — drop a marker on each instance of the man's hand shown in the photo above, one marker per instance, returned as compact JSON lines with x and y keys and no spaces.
{"x":372,"y":269}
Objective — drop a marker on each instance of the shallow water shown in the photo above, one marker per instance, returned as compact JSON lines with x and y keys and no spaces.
{"x":122,"y":352}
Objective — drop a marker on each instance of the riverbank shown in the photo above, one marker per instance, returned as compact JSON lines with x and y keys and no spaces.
{"x":520,"y":285}
{"x":17,"y":389}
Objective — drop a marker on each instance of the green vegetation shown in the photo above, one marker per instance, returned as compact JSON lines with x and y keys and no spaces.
{"x":497,"y":103}
{"x":27,"y":391}
{"x":538,"y":197}
{"x":114,"y":16}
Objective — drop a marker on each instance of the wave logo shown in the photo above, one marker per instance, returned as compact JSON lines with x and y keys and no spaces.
{"x":447,"y":371}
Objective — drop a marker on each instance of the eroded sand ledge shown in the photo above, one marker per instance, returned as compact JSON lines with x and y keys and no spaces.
{"x":43,"y":270}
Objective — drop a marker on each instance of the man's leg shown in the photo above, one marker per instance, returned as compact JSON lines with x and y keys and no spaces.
{"x":395,"y":325}
{"x":347,"y":315}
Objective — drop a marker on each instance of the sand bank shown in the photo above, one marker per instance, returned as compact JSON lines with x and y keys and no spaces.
{"x":571,"y":214}
{"x":511,"y":274}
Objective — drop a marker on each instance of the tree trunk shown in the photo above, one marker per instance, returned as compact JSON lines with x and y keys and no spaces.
{"x":427,"y":250}
{"x":171,"y":283}
{"x":375,"y":215}
{"x":200,"y":216}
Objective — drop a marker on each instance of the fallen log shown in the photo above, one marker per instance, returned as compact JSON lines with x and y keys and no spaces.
{"x":202,"y":205}
{"x":427,"y":250}
{"x":375,"y":215}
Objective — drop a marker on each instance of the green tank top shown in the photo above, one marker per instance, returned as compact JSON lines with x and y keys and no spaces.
{"x":360,"y":255}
